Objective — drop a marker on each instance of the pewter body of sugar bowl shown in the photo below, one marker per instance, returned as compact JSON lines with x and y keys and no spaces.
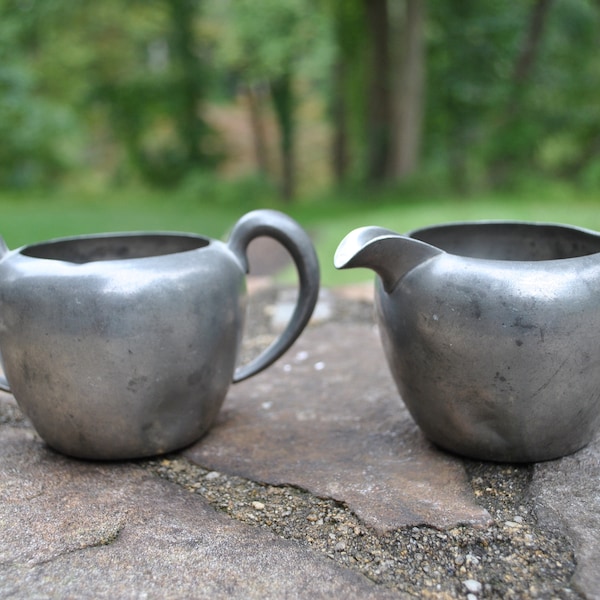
{"x":124,"y":345}
{"x":491,"y":331}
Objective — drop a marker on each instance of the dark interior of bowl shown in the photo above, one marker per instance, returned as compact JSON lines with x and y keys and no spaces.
{"x":118,"y":247}
{"x":510,"y":241}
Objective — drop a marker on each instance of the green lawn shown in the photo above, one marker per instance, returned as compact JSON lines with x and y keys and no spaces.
{"x":34,"y":217}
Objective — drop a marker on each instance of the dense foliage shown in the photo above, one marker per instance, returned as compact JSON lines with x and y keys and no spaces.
{"x":477,"y":92}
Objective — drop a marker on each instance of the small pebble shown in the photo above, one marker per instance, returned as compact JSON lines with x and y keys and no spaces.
{"x":258,"y":505}
{"x":473,"y":586}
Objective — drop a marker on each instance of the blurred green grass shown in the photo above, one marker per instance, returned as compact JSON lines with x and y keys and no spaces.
{"x":32,"y":217}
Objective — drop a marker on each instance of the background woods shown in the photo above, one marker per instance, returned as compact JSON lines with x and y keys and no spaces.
{"x":299,"y":94}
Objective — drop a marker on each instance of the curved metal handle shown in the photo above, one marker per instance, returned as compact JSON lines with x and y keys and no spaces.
{"x":294,"y":239}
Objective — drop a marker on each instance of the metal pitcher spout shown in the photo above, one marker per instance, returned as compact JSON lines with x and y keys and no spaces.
{"x":389,"y":254}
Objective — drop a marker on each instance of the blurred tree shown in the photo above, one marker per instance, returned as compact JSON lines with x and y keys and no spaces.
{"x":391,"y":45}
{"x":511,"y":114}
{"x":284,"y":102}
{"x":512,"y":87}
{"x":564,"y":99}
{"x":408,"y":81}
{"x":29,"y":129}
{"x":142,"y":63}
{"x":271,"y":44}
{"x":191,"y":78}
{"x":515,"y":88}
{"x":469,"y":64}
{"x":33,"y":126}
{"x":150,"y":71}
{"x":379,"y":103}
{"x":347,"y":103}
{"x":255,"y":94}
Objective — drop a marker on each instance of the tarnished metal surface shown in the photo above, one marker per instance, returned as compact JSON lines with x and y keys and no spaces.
{"x":490,"y":331}
{"x":124,"y":345}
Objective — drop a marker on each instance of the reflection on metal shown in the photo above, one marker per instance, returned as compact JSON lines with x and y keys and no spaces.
{"x":491,"y":332}
{"x":124,"y":345}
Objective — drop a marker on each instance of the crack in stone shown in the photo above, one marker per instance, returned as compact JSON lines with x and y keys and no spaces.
{"x":105,"y":540}
{"x":411,"y":559}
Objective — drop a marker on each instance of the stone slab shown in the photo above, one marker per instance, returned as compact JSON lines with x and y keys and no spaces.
{"x":327,"y":418}
{"x":566,"y":496}
{"x":75,"y":529}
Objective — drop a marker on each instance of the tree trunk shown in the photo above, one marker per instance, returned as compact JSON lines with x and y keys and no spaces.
{"x":531,"y":43}
{"x":501,"y":166}
{"x":378,"y":100}
{"x":409,"y":91}
{"x":189,"y":84}
{"x":339,"y":110}
{"x":348,"y":106}
{"x":283,"y":102}
{"x":254,"y":101}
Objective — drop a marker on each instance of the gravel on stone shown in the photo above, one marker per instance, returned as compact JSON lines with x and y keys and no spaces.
{"x":510,"y":559}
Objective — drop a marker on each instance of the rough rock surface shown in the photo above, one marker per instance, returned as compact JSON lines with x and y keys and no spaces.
{"x":327,"y":418}
{"x":82,"y":529}
{"x":566,"y":495}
